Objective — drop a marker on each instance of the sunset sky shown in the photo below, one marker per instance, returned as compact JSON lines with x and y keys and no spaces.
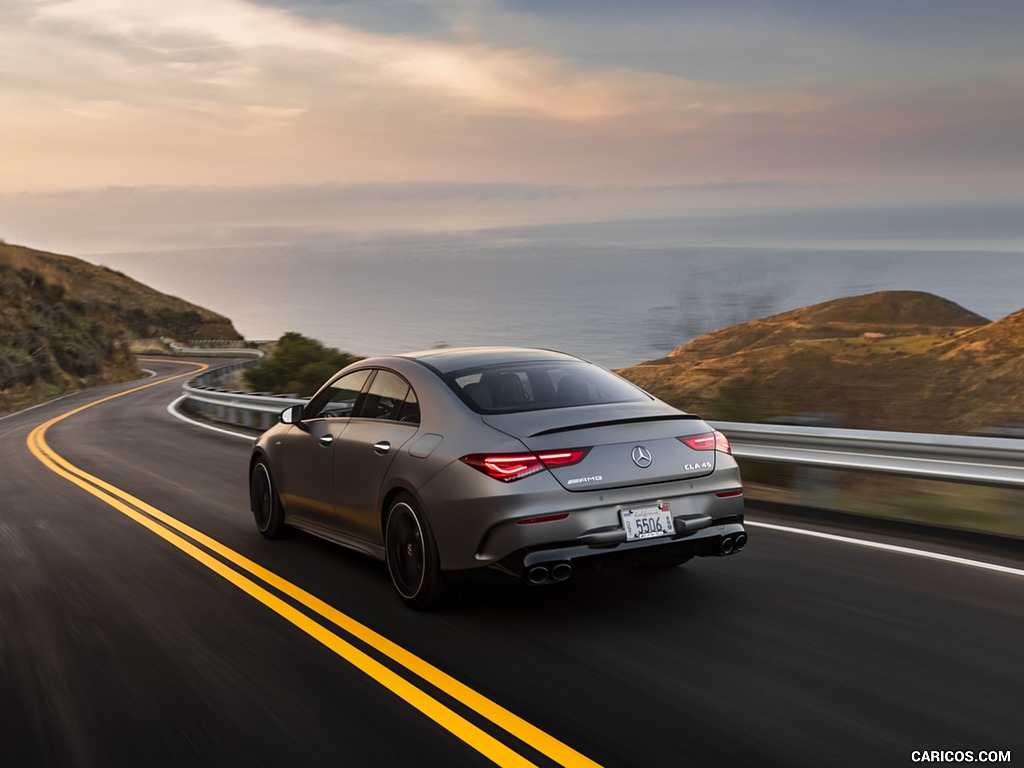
{"x":145,"y":123}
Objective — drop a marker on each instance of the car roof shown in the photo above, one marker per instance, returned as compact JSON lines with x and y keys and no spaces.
{"x":448,"y":359}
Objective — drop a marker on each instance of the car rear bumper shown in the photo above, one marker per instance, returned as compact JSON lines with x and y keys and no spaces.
{"x":551,"y":564}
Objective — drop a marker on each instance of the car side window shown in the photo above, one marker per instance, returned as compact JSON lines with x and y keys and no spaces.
{"x":339,"y":399}
{"x":410,"y":413}
{"x":390,"y":398}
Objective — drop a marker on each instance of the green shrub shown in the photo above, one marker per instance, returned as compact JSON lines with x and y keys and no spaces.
{"x":298,"y":365}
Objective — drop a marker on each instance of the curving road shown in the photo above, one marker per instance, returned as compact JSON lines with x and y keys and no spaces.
{"x":145,"y":622}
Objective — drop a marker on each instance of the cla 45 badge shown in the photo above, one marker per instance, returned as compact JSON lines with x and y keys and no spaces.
{"x":701,"y":465}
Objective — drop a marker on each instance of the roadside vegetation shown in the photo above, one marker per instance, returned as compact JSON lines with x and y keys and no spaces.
{"x":892,"y":360}
{"x":297,"y":366}
{"x":51,"y":343}
{"x":66,"y":324}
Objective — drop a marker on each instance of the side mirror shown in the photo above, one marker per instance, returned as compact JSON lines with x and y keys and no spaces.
{"x":291,"y":415}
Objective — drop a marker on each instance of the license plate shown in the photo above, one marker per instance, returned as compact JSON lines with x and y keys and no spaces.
{"x":648,"y":522}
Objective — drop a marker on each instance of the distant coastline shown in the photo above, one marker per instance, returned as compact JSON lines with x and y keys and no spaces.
{"x":614,"y":301}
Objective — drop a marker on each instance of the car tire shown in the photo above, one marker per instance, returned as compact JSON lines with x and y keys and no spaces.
{"x":266,"y":504}
{"x":412,"y":559}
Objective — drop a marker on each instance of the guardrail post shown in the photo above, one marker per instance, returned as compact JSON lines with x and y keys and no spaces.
{"x":206,"y":394}
{"x":816,"y":486}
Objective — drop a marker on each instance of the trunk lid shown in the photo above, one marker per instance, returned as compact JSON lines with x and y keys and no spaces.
{"x":629,"y":444}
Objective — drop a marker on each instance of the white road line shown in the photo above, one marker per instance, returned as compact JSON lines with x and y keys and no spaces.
{"x":891,"y":548}
{"x":37,"y":405}
{"x":59,"y":398}
{"x":173,"y":410}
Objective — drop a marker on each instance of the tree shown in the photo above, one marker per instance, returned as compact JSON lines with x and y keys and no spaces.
{"x":298,"y":365}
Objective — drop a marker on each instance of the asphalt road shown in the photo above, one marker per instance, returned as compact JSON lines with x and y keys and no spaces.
{"x":137,"y":629}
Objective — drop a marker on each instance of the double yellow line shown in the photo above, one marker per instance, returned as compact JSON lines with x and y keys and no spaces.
{"x":245,"y":574}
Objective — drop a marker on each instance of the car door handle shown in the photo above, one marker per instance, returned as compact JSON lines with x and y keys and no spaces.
{"x":326,"y":440}
{"x":382,"y":447}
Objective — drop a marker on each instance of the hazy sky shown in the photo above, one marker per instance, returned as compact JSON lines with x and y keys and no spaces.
{"x":136,"y":122}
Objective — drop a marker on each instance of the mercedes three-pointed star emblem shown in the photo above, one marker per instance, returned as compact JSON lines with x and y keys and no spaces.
{"x":642,"y":457}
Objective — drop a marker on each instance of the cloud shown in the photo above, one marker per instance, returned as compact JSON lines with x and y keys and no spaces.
{"x":161,"y":218}
{"x":220,"y":49}
{"x":225,"y":91}
{"x":104,"y":93}
{"x":280,"y":218}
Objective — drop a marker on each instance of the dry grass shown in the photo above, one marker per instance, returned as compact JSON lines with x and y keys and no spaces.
{"x":65,"y":323}
{"x":920,"y":374}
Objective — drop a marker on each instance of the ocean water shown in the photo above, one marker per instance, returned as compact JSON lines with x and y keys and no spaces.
{"x":617,"y":302}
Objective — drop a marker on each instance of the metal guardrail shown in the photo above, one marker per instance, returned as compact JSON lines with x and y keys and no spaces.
{"x":211,"y":349}
{"x":810,"y":457}
{"x":243,"y":409}
{"x":206,"y":394}
{"x":989,"y":461}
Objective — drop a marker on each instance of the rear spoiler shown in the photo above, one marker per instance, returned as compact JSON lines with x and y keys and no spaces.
{"x":616,"y":422}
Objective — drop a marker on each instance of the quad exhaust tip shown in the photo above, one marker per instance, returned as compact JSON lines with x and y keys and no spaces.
{"x":560,"y":572}
{"x":540,"y":574}
{"x":732,"y":544}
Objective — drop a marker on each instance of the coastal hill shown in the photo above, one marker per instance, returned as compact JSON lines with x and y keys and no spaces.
{"x":65,"y":324}
{"x":892,"y":360}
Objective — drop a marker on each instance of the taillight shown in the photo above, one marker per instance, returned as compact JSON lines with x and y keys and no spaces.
{"x":515,"y":466}
{"x":562,"y":458}
{"x":709,"y":441}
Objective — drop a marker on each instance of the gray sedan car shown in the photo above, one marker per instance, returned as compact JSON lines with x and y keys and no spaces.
{"x":528,"y":463}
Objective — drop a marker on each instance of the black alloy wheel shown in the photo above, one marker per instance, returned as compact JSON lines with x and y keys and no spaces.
{"x":412,"y":558}
{"x":266,"y":504}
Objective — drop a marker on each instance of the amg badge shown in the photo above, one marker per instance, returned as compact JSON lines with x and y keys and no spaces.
{"x":581,"y":480}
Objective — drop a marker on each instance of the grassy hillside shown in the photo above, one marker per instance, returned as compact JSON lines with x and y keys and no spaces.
{"x":64,"y":324}
{"x":894,"y":360}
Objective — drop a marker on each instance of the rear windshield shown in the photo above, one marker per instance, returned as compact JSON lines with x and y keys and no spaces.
{"x":534,"y":386}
